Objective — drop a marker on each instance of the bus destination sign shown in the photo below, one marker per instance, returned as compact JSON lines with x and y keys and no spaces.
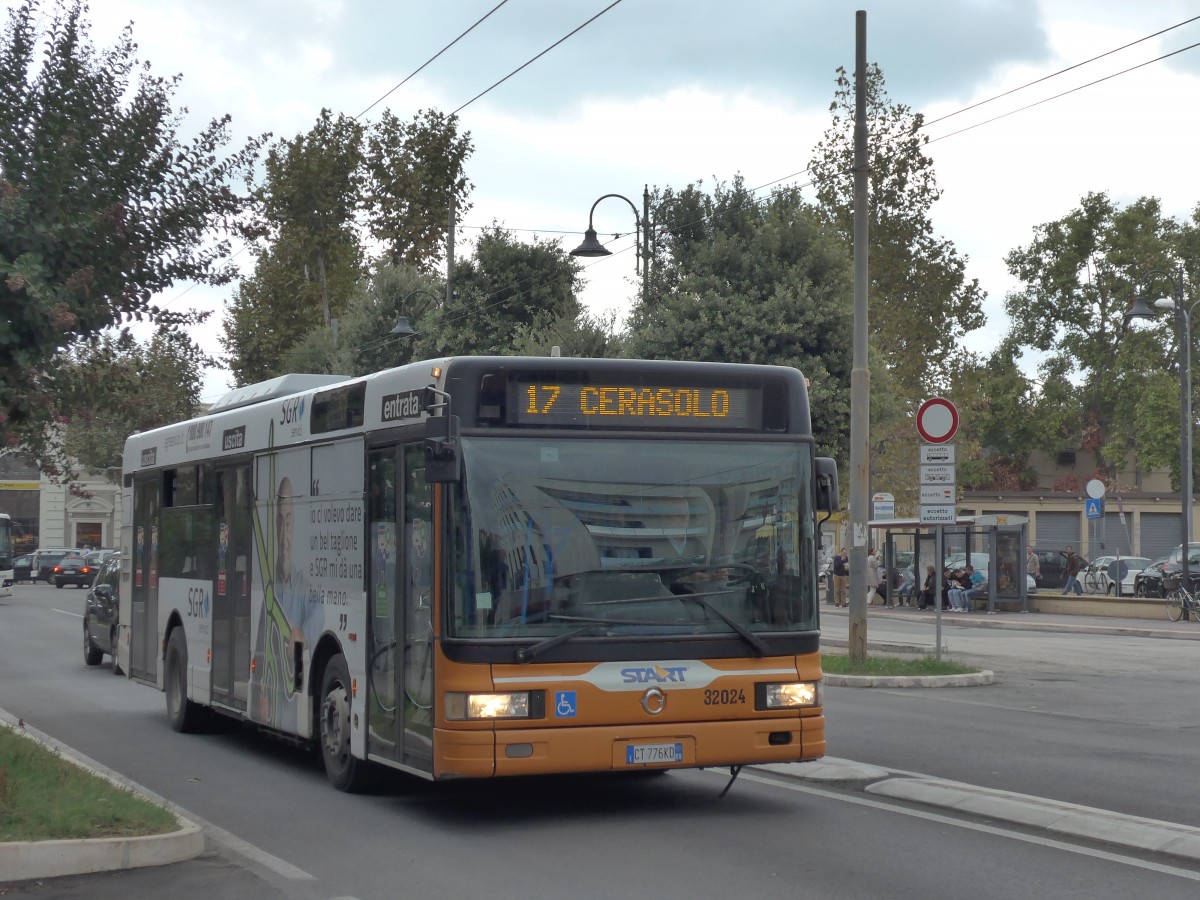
{"x":686,"y":407}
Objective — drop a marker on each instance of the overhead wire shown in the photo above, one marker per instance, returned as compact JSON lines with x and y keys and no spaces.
{"x":806,"y":170}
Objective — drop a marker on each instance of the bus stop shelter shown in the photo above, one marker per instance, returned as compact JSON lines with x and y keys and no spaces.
{"x":995,"y":543}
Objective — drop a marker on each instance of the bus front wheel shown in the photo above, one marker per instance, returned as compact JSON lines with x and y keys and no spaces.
{"x":344,"y":771}
{"x":185,"y":715}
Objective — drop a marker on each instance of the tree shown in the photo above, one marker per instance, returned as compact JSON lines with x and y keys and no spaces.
{"x":921,"y":301}
{"x":1079,"y":274}
{"x":115,"y":386}
{"x":739,"y":280}
{"x":414,"y":173}
{"x":313,"y":262}
{"x":102,"y":205}
{"x":506,"y":293}
{"x":402,"y":175}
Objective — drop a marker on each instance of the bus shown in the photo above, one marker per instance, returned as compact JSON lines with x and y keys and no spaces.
{"x":488,"y":566}
{"x":7,"y":552}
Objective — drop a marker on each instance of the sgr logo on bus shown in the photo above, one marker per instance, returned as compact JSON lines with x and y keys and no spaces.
{"x":292,"y":412}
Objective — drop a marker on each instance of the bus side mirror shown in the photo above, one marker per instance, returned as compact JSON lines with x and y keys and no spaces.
{"x":827,"y":485}
{"x":442,"y":462}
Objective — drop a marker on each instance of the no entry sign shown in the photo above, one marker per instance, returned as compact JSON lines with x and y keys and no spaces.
{"x":937,"y":420}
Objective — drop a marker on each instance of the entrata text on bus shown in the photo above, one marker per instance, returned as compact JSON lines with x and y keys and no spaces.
{"x":479,"y":567}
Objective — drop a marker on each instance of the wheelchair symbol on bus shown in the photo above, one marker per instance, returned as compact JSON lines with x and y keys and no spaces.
{"x":564,"y":704}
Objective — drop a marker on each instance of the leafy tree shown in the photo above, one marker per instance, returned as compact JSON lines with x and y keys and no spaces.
{"x":1079,"y":274}
{"x":365,"y":341}
{"x":921,"y":301}
{"x":102,"y":204}
{"x":114,"y":386}
{"x":313,"y":263}
{"x":508,"y":293}
{"x":739,"y":280}
{"x":401,"y":175}
{"x":414,"y":171}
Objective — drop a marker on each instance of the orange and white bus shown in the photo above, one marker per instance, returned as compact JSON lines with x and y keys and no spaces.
{"x":7,"y":552}
{"x":488,"y":566}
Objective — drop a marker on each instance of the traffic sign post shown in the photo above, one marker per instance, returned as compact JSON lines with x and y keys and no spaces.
{"x":937,"y":420}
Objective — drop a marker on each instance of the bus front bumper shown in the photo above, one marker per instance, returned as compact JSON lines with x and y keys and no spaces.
{"x":538,"y":751}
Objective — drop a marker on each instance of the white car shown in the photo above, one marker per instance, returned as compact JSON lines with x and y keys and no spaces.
{"x":1113,"y":575}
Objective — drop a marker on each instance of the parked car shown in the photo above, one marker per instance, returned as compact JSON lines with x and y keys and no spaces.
{"x":44,"y":561}
{"x":74,"y":568}
{"x":23,"y":568}
{"x":1119,"y":575}
{"x":1174,"y":566}
{"x":1052,"y":568}
{"x":1149,"y":581}
{"x":100,"y":615}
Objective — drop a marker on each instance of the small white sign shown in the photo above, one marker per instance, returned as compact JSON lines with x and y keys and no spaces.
{"x":937,"y":475}
{"x":937,"y":493}
{"x":883,"y":506}
{"x":938,"y":514}
{"x":937,"y":453}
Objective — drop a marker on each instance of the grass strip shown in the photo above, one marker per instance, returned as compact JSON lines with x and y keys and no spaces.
{"x":45,"y":797}
{"x":839,"y":664}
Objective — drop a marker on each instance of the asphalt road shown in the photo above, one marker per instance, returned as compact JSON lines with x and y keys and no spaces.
{"x":278,"y":829}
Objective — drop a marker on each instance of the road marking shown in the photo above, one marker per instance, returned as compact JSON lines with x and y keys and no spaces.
{"x":974,"y":826}
{"x":67,"y":612}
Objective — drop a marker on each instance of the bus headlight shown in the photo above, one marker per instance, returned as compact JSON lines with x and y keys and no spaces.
{"x":487,"y":706}
{"x":790,"y":695}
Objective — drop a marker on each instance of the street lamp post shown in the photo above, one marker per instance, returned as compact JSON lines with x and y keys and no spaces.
{"x":591,"y":246}
{"x":1183,"y":322}
{"x":403,"y":328}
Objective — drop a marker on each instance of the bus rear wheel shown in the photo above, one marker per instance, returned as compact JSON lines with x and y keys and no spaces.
{"x":185,"y":716}
{"x":344,"y":771}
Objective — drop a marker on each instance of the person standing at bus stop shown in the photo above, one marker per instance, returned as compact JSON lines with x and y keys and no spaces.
{"x":1033,"y":565}
{"x":841,"y":575}
{"x":1073,"y":565}
{"x":872,"y":574}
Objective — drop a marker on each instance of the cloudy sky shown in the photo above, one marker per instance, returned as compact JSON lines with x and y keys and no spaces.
{"x":669,"y":92}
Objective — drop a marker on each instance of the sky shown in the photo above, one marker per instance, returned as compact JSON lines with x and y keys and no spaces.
{"x":666,"y":93}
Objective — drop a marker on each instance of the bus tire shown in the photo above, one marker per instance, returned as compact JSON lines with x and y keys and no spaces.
{"x":185,"y":716}
{"x":333,"y":722}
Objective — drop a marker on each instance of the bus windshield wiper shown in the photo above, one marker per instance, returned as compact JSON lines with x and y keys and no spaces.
{"x":526,"y":654}
{"x":759,"y":645}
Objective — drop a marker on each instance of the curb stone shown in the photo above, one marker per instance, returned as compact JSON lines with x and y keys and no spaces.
{"x":26,"y":860}
{"x":1055,"y":816}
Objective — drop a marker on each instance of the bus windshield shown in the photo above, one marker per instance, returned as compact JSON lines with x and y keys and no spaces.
{"x":614,"y":537}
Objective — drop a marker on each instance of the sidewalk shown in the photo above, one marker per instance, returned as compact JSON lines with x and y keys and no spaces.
{"x":167,"y":862}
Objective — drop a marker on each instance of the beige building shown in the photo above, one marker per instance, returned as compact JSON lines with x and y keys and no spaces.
{"x":1142,"y":515}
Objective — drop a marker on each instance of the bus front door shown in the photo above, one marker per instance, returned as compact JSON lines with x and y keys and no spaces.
{"x":231,"y":598}
{"x":400,"y":664}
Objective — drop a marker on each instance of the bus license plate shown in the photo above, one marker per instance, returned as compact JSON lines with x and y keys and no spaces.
{"x":637,"y":754}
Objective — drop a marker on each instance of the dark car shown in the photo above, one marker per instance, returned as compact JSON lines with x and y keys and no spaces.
{"x":1052,"y":567}
{"x":74,"y":568}
{"x":44,"y":562}
{"x":1149,"y":581}
{"x":100,"y":617}
{"x":23,"y":568}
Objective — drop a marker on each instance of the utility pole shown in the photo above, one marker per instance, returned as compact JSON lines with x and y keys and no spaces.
{"x":860,"y":374}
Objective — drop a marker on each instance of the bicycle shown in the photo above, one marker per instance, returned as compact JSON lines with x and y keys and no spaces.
{"x":1181,"y":600}
{"x":1094,"y":581}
